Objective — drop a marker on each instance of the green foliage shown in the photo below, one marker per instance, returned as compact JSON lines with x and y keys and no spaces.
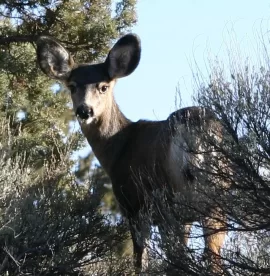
{"x":49,"y":225}
{"x":36,"y":107}
{"x":49,"y":222}
{"x":86,"y":27}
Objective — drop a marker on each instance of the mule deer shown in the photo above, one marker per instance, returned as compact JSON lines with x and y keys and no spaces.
{"x":134,"y":154}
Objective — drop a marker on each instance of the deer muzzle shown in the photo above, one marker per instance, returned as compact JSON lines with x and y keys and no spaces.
{"x":84,"y":112}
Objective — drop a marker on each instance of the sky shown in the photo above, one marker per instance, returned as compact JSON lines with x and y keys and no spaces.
{"x":174,"y":34}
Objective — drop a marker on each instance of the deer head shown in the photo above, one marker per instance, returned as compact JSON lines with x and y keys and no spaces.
{"x":91,"y":85}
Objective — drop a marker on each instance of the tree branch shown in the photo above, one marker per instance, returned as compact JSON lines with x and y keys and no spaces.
{"x":5,"y":40}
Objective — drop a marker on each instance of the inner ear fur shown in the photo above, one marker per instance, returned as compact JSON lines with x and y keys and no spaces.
{"x":53,"y":59}
{"x":124,"y":57}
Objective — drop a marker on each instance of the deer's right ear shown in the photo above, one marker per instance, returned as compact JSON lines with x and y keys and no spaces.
{"x":124,"y":57}
{"x":54,"y":60}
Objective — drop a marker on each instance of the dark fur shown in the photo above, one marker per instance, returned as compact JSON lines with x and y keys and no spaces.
{"x":138,"y":156}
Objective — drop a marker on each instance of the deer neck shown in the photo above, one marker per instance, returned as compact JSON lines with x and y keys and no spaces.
{"x":108,"y":135}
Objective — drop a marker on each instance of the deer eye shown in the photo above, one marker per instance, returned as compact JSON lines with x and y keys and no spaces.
{"x":103,"y":88}
{"x":72,"y":88}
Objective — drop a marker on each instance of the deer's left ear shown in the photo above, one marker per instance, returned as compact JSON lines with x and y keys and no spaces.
{"x":54,"y":60}
{"x":124,"y":57}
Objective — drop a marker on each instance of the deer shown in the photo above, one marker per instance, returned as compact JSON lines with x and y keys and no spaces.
{"x":135,"y":155}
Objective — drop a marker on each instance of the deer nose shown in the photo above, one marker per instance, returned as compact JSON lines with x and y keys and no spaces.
{"x":84,"y":112}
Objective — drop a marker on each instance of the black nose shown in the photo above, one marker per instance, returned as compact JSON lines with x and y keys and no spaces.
{"x":84,"y":112}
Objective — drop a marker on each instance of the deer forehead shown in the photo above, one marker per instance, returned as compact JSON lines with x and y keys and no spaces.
{"x":85,"y":74}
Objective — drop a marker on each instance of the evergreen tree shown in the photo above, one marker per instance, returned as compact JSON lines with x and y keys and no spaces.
{"x":49,"y":224}
{"x":86,"y":27}
{"x":34,"y":104}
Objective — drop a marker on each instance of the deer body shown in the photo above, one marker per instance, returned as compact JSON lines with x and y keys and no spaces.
{"x":129,"y":159}
{"x":139,"y":157}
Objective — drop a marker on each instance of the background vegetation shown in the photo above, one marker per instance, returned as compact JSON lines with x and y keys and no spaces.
{"x":54,"y":217}
{"x":58,"y":216}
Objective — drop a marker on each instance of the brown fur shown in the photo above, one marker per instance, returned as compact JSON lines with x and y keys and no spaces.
{"x":139,"y":157}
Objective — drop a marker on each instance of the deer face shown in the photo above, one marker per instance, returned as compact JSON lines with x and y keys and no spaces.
{"x":91,"y":85}
{"x":91,"y":92}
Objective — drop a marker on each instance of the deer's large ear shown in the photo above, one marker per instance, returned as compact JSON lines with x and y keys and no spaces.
{"x":54,"y":60}
{"x":124,"y":57}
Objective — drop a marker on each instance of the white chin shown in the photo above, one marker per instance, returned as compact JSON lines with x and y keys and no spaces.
{"x":86,"y":122}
